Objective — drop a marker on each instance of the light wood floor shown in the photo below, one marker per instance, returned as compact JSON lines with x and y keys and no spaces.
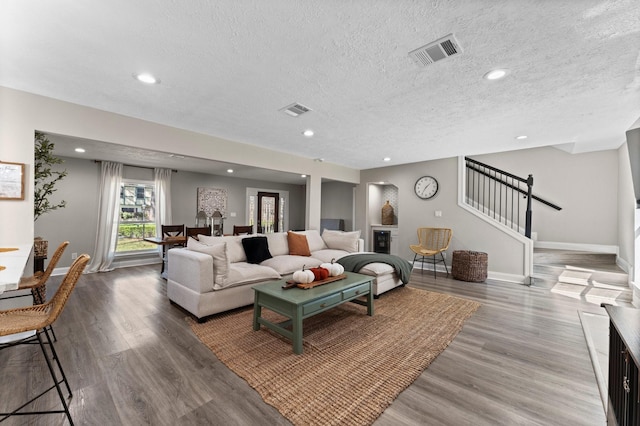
{"x":131,"y":359}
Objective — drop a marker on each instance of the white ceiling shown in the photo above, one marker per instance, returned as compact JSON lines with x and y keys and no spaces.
{"x":228,"y":66}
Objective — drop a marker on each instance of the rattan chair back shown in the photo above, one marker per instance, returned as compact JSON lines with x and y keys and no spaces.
{"x":36,"y":317}
{"x":435,"y":239}
{"x":432,"y":241}
{"x":38,"y":282}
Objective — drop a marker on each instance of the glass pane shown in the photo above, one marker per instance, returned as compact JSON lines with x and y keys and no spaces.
{"x":281,"y":212}
{"x":137,"y":218}
{"x":252,"y":210}
{"x":267,"y":214}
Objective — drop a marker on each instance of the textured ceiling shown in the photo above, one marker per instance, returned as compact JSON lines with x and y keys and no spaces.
{"x":227,"y":67}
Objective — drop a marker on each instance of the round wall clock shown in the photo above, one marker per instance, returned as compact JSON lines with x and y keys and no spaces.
{"x":426,"y":187}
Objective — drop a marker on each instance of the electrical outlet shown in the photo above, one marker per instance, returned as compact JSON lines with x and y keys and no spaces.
{"x":74,"y":256}
{"x":438,"y":213}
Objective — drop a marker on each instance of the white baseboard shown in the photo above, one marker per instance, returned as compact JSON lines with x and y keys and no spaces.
{"x":117,"y":264}
{"x":509,"y":278}
{"x":595,"y":248}
{"x":497,"y":276}
{"x":624,"y":265}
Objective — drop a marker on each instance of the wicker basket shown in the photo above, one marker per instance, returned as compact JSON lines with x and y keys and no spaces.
{"x":469,"y":266}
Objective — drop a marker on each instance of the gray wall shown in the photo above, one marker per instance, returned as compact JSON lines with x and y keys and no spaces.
{"x":184,"y":198}
{"x":584,"y":185}
{"x":78,"y":221}
{"x":337,"y":202}
{"x":469,"y":232}
{"x":626,"y":209}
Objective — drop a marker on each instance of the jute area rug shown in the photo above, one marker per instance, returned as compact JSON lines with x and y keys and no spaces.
{"x":353,"y":365}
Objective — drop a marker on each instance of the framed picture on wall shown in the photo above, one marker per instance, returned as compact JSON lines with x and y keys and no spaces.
{"x":11,"y":181}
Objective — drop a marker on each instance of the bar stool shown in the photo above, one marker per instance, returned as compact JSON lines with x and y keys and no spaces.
{"x":29,"y":325}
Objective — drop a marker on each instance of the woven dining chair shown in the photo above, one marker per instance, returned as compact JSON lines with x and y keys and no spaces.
{"x":432,"y":241}
{"x":37,"y":282}
{"x":29,"y":325}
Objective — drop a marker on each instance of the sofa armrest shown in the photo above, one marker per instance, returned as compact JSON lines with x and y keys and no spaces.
{"x":190,"y":269}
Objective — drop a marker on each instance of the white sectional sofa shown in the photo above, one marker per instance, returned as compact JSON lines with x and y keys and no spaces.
{"x":216,"y":274}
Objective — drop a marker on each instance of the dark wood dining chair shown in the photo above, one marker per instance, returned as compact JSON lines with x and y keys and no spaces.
{"x":168,"y":232}
{"x":242,"y":229}
{"x":195,"y":231}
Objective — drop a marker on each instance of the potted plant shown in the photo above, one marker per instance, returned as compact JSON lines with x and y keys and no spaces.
{"x":45,"y":180}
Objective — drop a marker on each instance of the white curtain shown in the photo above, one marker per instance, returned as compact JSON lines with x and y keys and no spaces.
{"x":162,"y":179}
{"x":108,"y":217}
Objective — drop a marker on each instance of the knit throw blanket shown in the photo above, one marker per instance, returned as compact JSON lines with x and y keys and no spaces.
{"x":355,"y":262}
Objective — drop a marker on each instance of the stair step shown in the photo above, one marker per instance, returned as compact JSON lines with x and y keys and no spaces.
{"x":593,"y":277}
{"x":575,"y":258}
{"x":583,"y":276}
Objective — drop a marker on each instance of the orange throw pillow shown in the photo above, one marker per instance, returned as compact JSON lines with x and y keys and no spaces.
{"x":298,"y":245}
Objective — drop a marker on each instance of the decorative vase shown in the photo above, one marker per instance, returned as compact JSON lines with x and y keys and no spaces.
{"x":387,"y":214}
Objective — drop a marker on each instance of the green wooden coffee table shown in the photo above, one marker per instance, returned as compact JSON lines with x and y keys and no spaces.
{"x":298,"y":304}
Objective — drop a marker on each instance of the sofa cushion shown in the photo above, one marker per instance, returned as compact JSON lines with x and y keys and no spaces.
{"x":327,"y":254}
{"x":235,"y":250}
{"x":340,"y":240}
{"x":288,"y":264}
{"x":256,"y":249}
{"x":218,"y":252}
{"x":298,"y":245}
{"x":246,"y":273}
{"x":377,"y":269}
{"x":277,"y":243}
{"x":314,"y":239}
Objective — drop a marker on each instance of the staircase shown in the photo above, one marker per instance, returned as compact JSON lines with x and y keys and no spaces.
{"x":592,"y":277}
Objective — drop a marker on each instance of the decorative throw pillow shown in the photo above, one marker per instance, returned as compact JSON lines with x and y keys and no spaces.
{"x":298,"y":245}
{"x":339,"y":240}
{"x":220,"y":259}
{"x":256,"y":249}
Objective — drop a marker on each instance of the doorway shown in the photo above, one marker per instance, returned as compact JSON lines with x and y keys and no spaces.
{"x":268,"y":212}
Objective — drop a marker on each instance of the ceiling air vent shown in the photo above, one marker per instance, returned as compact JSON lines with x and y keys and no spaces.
{"x":440,"y":49}
{"x":295,"y":110}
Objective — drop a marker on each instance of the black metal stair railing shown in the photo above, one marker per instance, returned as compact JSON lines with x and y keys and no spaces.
{"x":501,"y":195}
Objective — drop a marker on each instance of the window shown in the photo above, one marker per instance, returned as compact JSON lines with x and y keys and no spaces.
{"x":137,"y":217}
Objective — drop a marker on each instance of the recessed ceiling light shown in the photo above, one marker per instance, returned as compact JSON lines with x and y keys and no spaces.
{"x":521,"y":137}
{"x":146,"y":78}
{"x":80,"y":150}
{"x":303,"y":176}
{"x":229,"y":170}
{"x":496,"y":74}
{"x":386,"y":159}
{"x":308,"y":133}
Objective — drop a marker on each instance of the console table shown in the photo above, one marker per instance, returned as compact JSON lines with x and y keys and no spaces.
{"x":14,"y":262}
{"x":624,"y":360}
